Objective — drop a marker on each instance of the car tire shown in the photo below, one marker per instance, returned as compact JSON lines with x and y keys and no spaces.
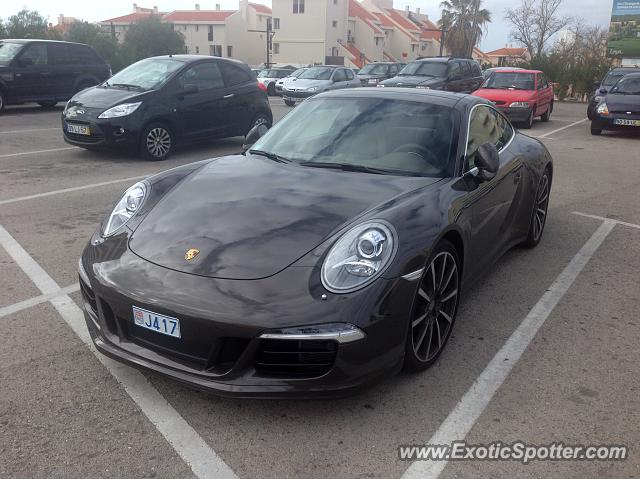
{"x":529,"y":122}
{"x":434,"y":308}
{"x":290,"y":103}
{"x":589,"y":113}
{"x":271,"y":89}
{"x":259,"y":119}
{"x":3,"y":101}
{"x":595,"y":131}
{"x":47,"y":104}
{"x":547,"y":114}
{"x":156,"y":142}
{"x":539,"y":212}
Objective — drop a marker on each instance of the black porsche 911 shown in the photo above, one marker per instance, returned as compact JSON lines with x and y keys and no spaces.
{"x":331,"y":253}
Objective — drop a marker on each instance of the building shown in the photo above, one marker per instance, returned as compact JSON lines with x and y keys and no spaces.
{"x":508,"y":56}
{"x":222,"y":33}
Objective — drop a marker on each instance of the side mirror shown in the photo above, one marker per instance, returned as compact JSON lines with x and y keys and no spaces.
{"x":190,"y":89}
{"x":603,"y":91}
{"x":487,"y":161}
{"x":254,"y":135}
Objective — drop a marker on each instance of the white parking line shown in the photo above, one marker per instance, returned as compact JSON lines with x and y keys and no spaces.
{"x":44,"y":298}
{"x":563,"y":128}
{"x":197,"y":454}
{"x":37,"y":152}
{"x":465,"y":414}
{"x":70,"y":190}
{"x":602,"y":218}
{"x":11,"y":132}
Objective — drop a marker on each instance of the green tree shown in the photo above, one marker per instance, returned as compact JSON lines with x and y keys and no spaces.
{"x":466,"y":23}
{"x":92,"y":34}
{"x":27,"y":24}
{"x":149,"y":38}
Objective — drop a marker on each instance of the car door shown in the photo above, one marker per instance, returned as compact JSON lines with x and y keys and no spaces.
{"x":32,"y":73}
{"x":64,"y":64}
{"x":352,"y":81}
{"x":202,"y":105}
{"x":545,"y":93}
{"x":339,"y":79}
{"x":240,"y":91}
{"x":495,"y":204}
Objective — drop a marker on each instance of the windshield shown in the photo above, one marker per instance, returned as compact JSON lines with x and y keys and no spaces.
{"x":146,"y":74}
{"x":612,"y":78}
{"x":373,"y":69}
{"x":386,"y":136}
{"x":510,"y":81}
{"x":628,"y":86}
{"x":317,"y":73}
{"x":426,"y":69}
{"x":8,"y":51}
{"x":297,"y":73}
{"x":268,"y":74}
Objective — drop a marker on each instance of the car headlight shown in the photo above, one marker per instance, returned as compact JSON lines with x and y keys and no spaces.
{"x":126,"y":209}
{"x":373,"y":81}
{"x":597,"y":98}
{"x":380,"y":85}
{"x":603,"y":109}
{"x":312,"y":88}
{"x":422,"y":87}
{"x":359,"y":256}
{"x":120,"y":110}
{"x":520,"y":104}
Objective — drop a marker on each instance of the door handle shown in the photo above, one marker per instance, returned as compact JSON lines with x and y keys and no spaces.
{"x":230,"y":95}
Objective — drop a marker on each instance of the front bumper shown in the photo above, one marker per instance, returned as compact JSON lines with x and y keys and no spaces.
{"x":515,"y":114}
{"x":297,"y":96}
{"x":222,"y":321}
{"x":611,"y":122}
{"x":108,"y":133}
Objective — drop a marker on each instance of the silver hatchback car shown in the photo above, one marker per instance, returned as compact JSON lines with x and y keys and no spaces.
{"x":317,"y":79}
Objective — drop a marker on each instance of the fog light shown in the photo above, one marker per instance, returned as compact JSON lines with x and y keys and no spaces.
{"x":119,"y":131}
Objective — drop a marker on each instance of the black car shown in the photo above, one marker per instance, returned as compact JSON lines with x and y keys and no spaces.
{"x":373,"y":73}
{"x":47,"y":71}
{"x":601,"y":89}
{"x":159,"y":102}
{"x":620,"y":109}
{"x":460,"y":75}
{"x":330,"y":254}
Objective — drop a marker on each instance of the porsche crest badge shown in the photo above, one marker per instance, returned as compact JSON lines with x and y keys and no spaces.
{"x":190,"y":254}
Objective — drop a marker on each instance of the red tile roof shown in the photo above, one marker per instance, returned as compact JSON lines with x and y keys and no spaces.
{"x":263,"y":9}
{"x":357,"y":54}
{"x":507,"y":52}
{"x":401,"y":20}
{"x":356,"y":10}
{"x":198,"y":15}
{"x":385,"y":21}
{"x":130,"y":18}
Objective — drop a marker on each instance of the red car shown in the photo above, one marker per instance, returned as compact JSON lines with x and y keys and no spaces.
{"x":521,"y":95}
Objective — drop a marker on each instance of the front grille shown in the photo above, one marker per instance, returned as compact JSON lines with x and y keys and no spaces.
{"x":88,"y":296}
{"x":295,"y":358}
{"x":298,"y":94}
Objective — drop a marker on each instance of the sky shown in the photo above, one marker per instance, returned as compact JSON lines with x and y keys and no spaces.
{"x":591,"y":11}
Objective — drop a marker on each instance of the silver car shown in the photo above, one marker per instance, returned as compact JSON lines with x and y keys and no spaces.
{"x":280,"y":83}
{"x":315,"y":80}
{"x":270,"y":76}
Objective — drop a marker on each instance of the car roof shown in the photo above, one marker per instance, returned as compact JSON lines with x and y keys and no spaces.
{"x":196,"y":58}
{"x":443,"y":98}
{"x":30,"y":40}
{"x":622,"y":69}
{"x":517,"y":70}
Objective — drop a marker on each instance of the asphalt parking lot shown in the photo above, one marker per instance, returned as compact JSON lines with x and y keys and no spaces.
{"x":545,"y":347}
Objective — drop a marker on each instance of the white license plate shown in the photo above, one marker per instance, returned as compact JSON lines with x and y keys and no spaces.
{"x":156,"y":322}
{"x":624,"y":122}
{"x":78,"y":129}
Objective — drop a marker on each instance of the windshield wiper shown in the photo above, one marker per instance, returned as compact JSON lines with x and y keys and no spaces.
{"x":271,"y":156}
{"x":128,"y":86}
{"x":355,"y":168}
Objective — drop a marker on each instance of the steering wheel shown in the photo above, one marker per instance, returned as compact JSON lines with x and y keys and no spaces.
{"x":422,"y":152}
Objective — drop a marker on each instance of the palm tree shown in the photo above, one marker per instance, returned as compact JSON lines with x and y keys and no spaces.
{"x":465,"y":23}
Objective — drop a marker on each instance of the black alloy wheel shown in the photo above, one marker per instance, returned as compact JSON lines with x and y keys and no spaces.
{"x":540,"y":212}
{"x":156,"y":142}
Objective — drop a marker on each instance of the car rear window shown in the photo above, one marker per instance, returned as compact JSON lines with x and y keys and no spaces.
{"x":234,"y":75}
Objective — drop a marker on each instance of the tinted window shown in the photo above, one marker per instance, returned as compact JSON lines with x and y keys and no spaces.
{"x":62,"y":54}
{"x":486,"y":126}
{"x":234,"y":75}
{"x":542,"y":81}
{"x":8,"y":50}
{"x":428,"y":69}
{"x":466,"y":69}
{"x":476,"y":71}
{"x":205,"y":76}
{"x":339,"y":76}
{"x":628,"y":86}
{"x":374,"y":69}
{"x":37,"y":53}
{"x":398,"y":137}
{"x":350,"y":75}
{"x":317,"y":73}
{"x":510,"y":81}
{"x":455,"y":71}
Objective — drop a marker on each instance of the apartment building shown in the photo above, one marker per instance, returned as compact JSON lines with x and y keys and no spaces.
{"x":222,"y":33}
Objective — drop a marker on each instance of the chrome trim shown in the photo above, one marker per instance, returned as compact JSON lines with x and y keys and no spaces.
{"x":415,"y":276}
{"x":339,"y":336}
{"x":83,"y":273}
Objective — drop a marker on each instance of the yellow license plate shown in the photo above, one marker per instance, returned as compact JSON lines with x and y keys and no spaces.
{"x":78,"y":129}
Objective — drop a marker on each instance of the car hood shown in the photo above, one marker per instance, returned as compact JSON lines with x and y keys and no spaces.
{"x":623,"y":103}
{"x":103,"y":98}
{"x":504,"y":96}
{"x":251,"y":217}
{"x":307,"y":83}
{"x":412,"y":81}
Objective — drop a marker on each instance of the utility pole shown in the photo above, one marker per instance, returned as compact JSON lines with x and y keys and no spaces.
{"x":270,"y":33}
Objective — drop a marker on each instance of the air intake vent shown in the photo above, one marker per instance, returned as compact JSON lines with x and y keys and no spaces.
{"x":295,"y":358}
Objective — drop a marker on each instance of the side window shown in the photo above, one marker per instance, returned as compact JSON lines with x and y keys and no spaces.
{"x":476,"y":70}
{"x":466,"y":69}
{"x":339,"y":75}
{"x":35,"y":54}
{"x":393,"y":70}
{"x":206,"y":76}
{"x":350,"y":75}
{"x":234,"y":75}
{"x":454,"y":71}
{"x":58,"y":54}
{"x":486,"y":125}
{"x":84,"y":55}
{"x":542,"y":81}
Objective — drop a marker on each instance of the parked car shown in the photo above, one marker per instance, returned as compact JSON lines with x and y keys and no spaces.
{"x":330,"y":254}
{"x":280,"y":83}
{"x":460,"y":75}
{"x":315,"y":80}
{"x":601,"y":89}
{"x":620,"y":109}
{"x":489,"y":71}
{"x":270,"y":76}
{"x":521,"y":95}
{"x":373,"y":73}
{"x":46,"y":71}
{"x":159,"y":102}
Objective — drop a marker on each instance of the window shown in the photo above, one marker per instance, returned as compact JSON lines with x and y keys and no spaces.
{"x":466,"y":69}
{"x":206,"y":76}
{"x":334,"y":51}
{"x":215,"y":50}
{"x":184,"y":27}
{"x":234,"y":75}
{"x":334,"y":24}
{"x":64,"y":54}
{"x":477,"y":71}
{"x":229,"y":51}
{"x":340,"y":75}
{"x":36,"y":53}
{"x":197,"y":28}
{"x":276,"y":24}
{"x":486,"y":126}
{"x":276,"y":48}
{"x":350,"y":75}
{"x":542,"y":81}
{"x":335,"y":2}
{"x":455,"y":72}
{"x":210,"y":35}
{"x":298,"y":6}
{"x":378,"y":40}
{"x":197,"y":49}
